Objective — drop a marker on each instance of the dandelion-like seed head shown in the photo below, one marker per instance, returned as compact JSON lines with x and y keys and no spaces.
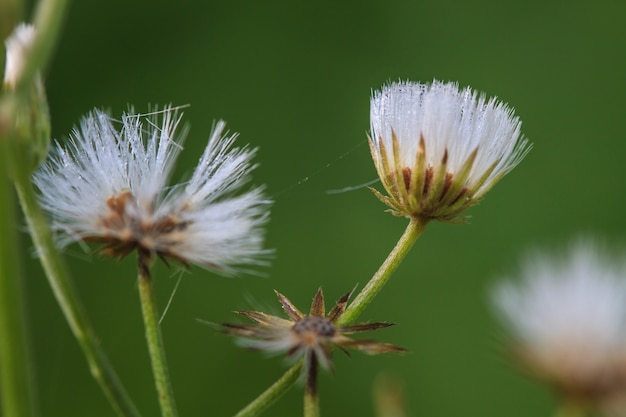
{"x":110,"y":186}
{"x":438,"y":149}
{"x":311,"y":335}
{"x":567,"y":318}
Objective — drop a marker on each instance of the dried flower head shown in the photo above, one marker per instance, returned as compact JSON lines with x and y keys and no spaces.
{"x":17,"y":46}
{"x":438,"y":149}
{"x":110,"y":187}
{"x":568,"y":322}
{"x":313,"y":335}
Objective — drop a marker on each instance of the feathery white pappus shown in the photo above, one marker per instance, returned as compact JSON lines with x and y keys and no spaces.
{"x":567,"y":319}
{"x":110,"y":186}
{"x":438,"y":149}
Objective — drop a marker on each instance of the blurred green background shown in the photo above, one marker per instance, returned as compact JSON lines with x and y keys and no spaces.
{"x":294,"y":78}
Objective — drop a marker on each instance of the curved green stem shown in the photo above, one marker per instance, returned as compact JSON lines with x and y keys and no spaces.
{"x":373,"y":287}
{"x":413,"y":230}
{"x":273,"y":393}
{"x":48,"y":21}
{"x":16,"y":387}
{"x":22,"y":124}
{"x":66,"y":296}
{"x":154,"y":338}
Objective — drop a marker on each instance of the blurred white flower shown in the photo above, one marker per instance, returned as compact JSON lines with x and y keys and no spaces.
{"x":568,"y":322}
{"x":438,"y":149}
{"x":17,"y":46}
{"x":110,"y":187}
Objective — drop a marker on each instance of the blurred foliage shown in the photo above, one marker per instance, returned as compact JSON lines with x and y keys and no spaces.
{"x":294,"y":78}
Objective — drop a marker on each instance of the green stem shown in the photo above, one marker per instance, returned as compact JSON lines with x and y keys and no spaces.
{"x":273,"y":393}
{"x":48,"y":21}
{"x":16,"y":387}
{"x":373,"y":287}
{"x":413,"y":230}
{"x":11,"y":12}
{"x":311,"y":404}
{"x":59,"y":280}
{"x":311,"y":397}
{"x":156,"y":348}
{"x":569,"y":409}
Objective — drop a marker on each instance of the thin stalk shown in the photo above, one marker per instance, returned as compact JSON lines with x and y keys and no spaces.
{"x":273,"y":393}
{"x":17,"y":395}
{"x":569,"y":409}
{"x":59,"y":280}
{"x":311,"y":397}
{"x":156,"y":348}
{"x":413,"y":230}
{"x":48,"y":21}
{"x":373,"y":287}
{"x":11,"y":11}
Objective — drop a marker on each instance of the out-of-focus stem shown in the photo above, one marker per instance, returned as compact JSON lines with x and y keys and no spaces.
{"x":66,"y":296}
{"x":17,"y":397}
{"x":48,"y":21}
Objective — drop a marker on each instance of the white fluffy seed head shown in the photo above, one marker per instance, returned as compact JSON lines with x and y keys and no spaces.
{"x":110,"y":186}
{"x":580,"y":300}
{"x":567,"y":318}
{"x":445,"y":126}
